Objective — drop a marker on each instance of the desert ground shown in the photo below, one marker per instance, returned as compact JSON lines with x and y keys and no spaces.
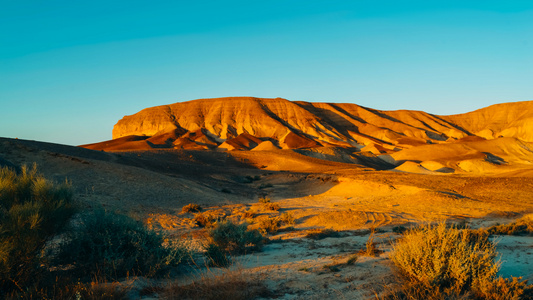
{"x":353,"y":199}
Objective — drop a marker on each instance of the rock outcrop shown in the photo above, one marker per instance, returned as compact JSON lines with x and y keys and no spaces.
{"x":244,"y":122}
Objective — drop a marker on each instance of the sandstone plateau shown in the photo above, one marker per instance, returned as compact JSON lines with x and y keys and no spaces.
{"x":494,"y":139}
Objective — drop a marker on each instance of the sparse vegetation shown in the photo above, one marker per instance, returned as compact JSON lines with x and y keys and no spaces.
{"x":287,"y":218}
{"x":32,"y":211}
{"x":332,"y":267}
{"x":441,"y":262}
{"x":270,"y":225}
{"x":114,"y":246}
{"x":264,"y":200}
{"x":370,"y":246}
{"x":399,"y":229}
{"x":204,"y":220}
{"x":232,"y":284}
{"x":523,"y":226}
{"x":191,"y":207}
{"x":272,"y":206}
{"x":235,"y":238}
{"x":352,"y":259}
{"x":249,"y":214}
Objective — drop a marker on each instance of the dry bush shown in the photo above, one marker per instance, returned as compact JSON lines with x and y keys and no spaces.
{"x":318,"y":234}
{"x":231,"y":285}
{"x":287,"y":218}
{"x":249,"y":214}
{"x":269,"y":225}
{"x":264,"y":200}
{"x":204,"y":220}
{"x":191,"y":207}
{"x":440,"y":262}
{"x":271,"y":206}
{"x":523,"y":226}
{"x":235,"y":238}
{"x":370,"y":246}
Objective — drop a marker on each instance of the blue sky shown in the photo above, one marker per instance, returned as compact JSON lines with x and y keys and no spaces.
{"x":69,"y":70}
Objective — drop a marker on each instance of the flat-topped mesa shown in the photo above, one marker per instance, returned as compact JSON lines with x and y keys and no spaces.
{"x":299,"y":124}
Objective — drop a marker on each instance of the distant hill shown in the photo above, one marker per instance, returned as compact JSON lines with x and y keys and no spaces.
{"x":244,"y":123}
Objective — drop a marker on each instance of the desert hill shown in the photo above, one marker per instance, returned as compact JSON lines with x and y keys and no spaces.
{"x":492,"y":139}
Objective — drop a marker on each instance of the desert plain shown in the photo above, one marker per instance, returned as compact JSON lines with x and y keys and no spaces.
{"x":358,"y":171}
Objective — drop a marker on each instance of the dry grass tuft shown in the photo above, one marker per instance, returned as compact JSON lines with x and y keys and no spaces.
{"x":370,"y":246}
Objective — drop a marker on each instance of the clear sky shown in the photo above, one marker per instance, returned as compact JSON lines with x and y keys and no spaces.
{"x":69,"y":70}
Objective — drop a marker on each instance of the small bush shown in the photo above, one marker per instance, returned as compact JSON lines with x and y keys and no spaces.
{"x":249,"y":214}
{"x":191,"y":207}
{"x":287,"y":218}
{"x":523,"y":226}
{"x":204,"y":220}
{"x":235,"y":238}
{"x":32,"y":211}
{"x":319,"y":234}
{"x":264,"y":200}
{"x":269,"y":225}
{"x":115,"y":245}
{"x":272,"y":206}
{"x":450,"y":261}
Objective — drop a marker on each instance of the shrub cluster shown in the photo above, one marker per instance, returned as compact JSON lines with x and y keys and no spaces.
{"x":115,"y":245}
{"x":96,"y":247}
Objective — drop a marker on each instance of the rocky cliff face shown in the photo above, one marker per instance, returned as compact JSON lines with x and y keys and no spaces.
{"x":305,"y":125}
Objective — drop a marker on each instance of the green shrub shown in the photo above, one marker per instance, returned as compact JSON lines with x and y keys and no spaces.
{"x":191,"y":207}
{"x":235,"y":238}
{"x":32,"y":211}
{"x":114,"y":246}
{"x":439,"y":260}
